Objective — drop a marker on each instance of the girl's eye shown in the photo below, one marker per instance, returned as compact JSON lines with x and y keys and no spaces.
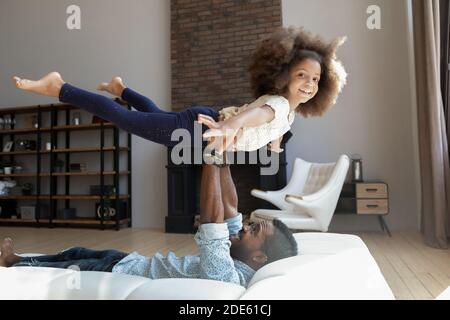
{"x":316,"y":79}
{"x":301,"y":75}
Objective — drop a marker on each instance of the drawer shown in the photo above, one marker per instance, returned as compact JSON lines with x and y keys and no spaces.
{"x":371,"y":190}
{"x":372,"y":206}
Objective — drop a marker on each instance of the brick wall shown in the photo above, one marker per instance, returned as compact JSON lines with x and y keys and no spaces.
{"x":211,"y":43}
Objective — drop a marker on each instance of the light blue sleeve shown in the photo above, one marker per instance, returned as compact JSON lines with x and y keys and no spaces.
{"x":234,"y":224}
{"x":215,"y":260}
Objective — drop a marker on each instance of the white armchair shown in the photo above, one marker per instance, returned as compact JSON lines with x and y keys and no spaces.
{"x":309,"y":199}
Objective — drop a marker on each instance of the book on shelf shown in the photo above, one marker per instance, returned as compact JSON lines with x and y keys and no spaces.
{"x":78,"y":167}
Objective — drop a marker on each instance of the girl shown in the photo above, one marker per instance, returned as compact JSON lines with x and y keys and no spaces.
{"x":291,"y":71}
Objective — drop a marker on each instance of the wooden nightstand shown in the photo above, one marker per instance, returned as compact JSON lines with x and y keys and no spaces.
{"x":365,"y":198}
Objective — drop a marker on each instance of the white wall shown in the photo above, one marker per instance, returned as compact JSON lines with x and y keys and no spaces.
{"x":126,"y":38}
{"x":374,"y":115}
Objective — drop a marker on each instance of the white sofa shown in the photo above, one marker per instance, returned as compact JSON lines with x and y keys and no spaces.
{"x":329,"y":266}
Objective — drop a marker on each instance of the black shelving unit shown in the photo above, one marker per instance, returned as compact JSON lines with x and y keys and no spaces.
{"x":121,"y":203}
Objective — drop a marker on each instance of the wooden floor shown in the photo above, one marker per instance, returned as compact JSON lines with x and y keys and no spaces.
{"x":412,"y":270}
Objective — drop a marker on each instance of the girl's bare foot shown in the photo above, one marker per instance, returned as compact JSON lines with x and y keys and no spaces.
{"x":49,"y":85}
{"x":115,"y":87}
{"x":8,"y":258}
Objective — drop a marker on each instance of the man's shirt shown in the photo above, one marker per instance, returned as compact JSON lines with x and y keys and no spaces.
{"x":213,"y":262}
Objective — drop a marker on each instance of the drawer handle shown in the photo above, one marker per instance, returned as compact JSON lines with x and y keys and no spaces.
{"x":371,"y":189}
{"x":371,"y":206}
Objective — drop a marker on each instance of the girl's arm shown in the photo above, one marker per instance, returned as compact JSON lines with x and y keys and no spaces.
{"x":228,"y":129}
{"x":251,"y":118}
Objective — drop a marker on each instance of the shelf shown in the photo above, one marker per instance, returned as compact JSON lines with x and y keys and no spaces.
{"x":53,"y":128}
{"x":59,"y":197}
{"x":46,"y":108}
{"x":36,"y":108}
{"x":19,"y":197}
{"x":24,"y":131}
{"x":76,"y":174}
{"x":92,"y":126}
{"x":9,"y":153}
{"x":85,"y":197}
{"x":87,"y":173}
{"x":70,"y":150}
{"x":86,"y":150}
{"x":86,"y":221}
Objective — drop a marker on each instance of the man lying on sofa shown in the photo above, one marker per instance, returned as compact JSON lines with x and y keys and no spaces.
{"x":228,"y":251}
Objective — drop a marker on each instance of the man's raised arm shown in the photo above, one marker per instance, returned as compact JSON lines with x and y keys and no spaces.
{"x":230,"y":202}
{"x":213,"y":236}
{"x":211,"y":206}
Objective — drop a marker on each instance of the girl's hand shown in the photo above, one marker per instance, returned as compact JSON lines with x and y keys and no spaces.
{"x":224,"y":134}
{"x":208,"y":121}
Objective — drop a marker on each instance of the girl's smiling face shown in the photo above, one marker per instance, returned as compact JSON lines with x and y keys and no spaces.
{"x":303,"y":82}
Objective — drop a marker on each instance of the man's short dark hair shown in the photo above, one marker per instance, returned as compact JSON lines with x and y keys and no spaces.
{"x":281,"y":244}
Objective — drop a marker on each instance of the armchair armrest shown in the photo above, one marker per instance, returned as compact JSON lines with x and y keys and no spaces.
{"x":292,"y":196}
{"x":257,"y":190}
{"x":274,"y":197}
{"x":300,"y":203}
{"x":259,"y":193}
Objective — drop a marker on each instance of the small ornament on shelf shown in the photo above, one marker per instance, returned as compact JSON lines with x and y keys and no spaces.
{"x":357,"y":175}
{"x":76,"y":118}
{"x":34,"y":122}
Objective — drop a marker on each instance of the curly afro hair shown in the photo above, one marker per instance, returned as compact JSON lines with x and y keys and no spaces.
{"x":276,"y":55}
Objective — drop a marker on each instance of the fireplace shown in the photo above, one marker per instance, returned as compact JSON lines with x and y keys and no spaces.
{"x":184,"y":189}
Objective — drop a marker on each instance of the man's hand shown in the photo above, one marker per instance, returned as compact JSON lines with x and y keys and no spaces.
{"x":275,"y":145}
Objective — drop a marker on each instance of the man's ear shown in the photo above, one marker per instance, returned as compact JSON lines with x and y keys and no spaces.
{"x":259,"y":257}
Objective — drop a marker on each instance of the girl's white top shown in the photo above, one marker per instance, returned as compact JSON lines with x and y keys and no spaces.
{"x":253,"y":138}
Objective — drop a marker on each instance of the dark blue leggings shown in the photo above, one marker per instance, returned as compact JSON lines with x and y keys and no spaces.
{"x":148,"y":122}
{"x":83,"y":258}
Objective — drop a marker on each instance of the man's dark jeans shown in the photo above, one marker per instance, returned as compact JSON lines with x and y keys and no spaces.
{"x":78,"y":258}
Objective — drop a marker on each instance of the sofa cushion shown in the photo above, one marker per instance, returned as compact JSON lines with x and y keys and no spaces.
{"x":311,"y":246}
{"x":328,"y":266}
{"x":351,"y":274}
{"x":187,"y":289}
{"x":51,"y":283}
